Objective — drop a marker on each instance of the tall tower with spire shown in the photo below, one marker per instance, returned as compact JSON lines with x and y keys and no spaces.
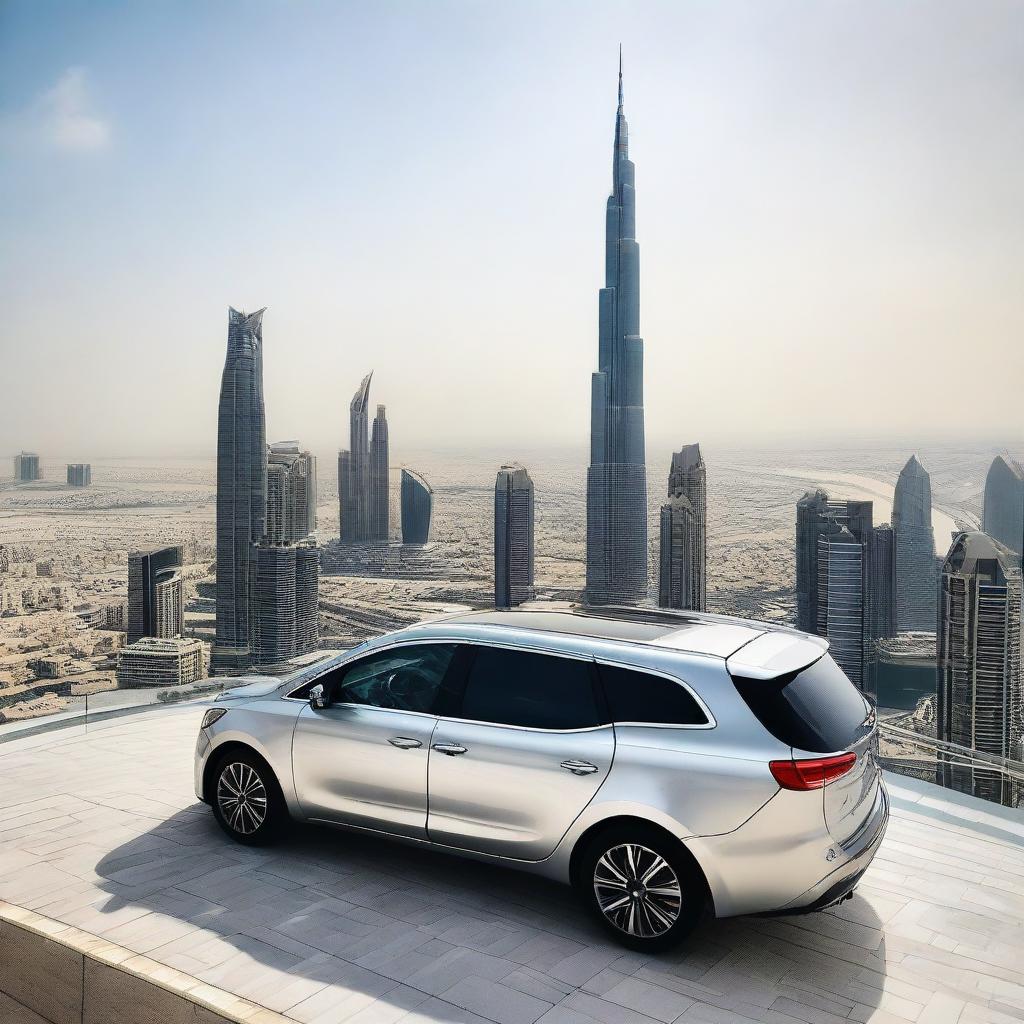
{"x":241,"y":486}
{"x":916,"y":569}
{"x":617,"y":477}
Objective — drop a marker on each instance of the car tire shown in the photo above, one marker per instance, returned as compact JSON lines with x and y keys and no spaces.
{"x":642,"y":886}
{"x":247,"y":800}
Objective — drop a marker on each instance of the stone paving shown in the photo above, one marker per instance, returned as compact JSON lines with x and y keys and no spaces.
{"x":101,"y":831}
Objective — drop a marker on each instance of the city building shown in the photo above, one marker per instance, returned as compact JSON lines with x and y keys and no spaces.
{"x":901,"y":670}
{"x":417,"y":508}
{"x":79,"y":474}
{"x":880,"y":605}
{"x":513,"y":537}
{"x":815,"y":512}
{"x":379,"y":498}
{"x":354,"y":470}
{"x":285,"y":598}
{"x":291,"y":493}
{"x":116,"y":615}
{"x":617,"y":476}
{"x":53,"y":666}
{"x":241,"y":485}
{"x":916,"y":579}
{"x":26,"y":468}
{"x":156,"y":603}
{"x":979,"y":681}
{"x":163,"y":661}
{"x":840,"y":598}
{"x":682,"y":581}
{"x":1003,"y":513}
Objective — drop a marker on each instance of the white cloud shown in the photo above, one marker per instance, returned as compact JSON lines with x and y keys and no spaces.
{"x":69,"y":120}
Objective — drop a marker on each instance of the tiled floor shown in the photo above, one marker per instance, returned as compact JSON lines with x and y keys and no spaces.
{"x":102,"y":831}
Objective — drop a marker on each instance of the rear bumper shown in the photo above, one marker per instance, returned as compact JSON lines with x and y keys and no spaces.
{"x":856,"y":857}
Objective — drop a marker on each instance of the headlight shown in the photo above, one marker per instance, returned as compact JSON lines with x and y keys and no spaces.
{"x":213,"y":715}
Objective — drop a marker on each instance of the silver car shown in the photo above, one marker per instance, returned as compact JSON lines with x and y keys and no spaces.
{"x":665,"y":765}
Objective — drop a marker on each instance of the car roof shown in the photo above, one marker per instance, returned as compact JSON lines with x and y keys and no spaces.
{"x":686,"y":632}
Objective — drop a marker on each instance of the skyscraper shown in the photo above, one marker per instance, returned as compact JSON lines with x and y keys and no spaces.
{"x":354,"y":470}
{"x":241,"y":485}
{"x":1003,"y":516}
{"x":683,"y":555}
{"x":156,"y":604}
{"x":815,"y":512}
{"x":840,"y":598}
{"x":79,"y":474}
{"x":417,"y":507}
{"x":513,"y":537}
{"x":379,"y":498}
{"x":916,"y":577}
{"x":291,"y":493}
{"x":617,"y":477}
{"x":880,"y":605}
{"x":980,"y":686}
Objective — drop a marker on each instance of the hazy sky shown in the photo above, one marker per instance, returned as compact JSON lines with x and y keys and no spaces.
{"x":830,"y":217}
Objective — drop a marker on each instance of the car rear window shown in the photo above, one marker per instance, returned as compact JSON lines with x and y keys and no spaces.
{"x":816,"y":709}
{"x":644,"y":699}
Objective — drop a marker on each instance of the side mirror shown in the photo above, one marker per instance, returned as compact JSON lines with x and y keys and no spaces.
{"x":317,"y":697}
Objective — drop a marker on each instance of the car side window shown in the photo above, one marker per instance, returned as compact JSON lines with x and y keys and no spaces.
{"x":640,"y":697}
{"x":537,"y":691}
{"x":401,"y":678}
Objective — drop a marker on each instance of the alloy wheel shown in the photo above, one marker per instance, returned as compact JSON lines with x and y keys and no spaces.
{"x":242,"y":797}
{"x":637,"y":890}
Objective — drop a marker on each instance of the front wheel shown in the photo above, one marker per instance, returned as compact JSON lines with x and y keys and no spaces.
{"x":247,"y":801}
{"x":642,"y":887}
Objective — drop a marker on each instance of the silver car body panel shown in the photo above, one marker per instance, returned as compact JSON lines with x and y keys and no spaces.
{"x":508,"y":798}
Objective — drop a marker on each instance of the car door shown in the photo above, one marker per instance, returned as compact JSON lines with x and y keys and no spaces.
{"x":362,"y":760}
{"x":524,"y":756}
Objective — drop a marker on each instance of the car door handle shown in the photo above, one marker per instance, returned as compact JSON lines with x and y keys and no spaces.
{"x":405,"y":742}
{"x":580,"y":767}
{"x":451,"y":749}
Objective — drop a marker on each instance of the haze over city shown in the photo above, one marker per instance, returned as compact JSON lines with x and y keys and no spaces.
{"x":828,"y":218}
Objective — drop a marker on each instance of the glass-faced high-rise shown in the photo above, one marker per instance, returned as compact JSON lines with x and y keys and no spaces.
{"x":417,"y":508}
{"x":617,"y":477}
{"x":513,"y":537}
{"x":916,"y":570}
{"x":683,"y":553}
{"x":1003,"y":517}
{"x":241,"y":484}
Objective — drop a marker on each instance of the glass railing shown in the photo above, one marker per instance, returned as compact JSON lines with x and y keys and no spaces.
{"x":996,"y":779}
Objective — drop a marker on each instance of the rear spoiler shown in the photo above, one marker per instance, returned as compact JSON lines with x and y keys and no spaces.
{"x":776,"y":654}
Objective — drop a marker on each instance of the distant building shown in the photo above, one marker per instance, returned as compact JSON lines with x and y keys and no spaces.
{"x":815,"y":512}
{"x":880,"y":605}
{"x":379,"y":497}
{"x":52,"y":667}
{"x":840,"y":598}
{"x":44,"y":568}
{"x":417,"y":508}
{"x":26,"y":468}
{"x":156,"y":602}
{"x":617,"y":475}
{"x":79,"y":474}
{"x":513,"y":537}
{"x":117,"y":615}
{"x":916,"y":578}
{"x":285,"y":599}
{"x":241,"y":485}
{"x":1003,"y":515}
{"x":901,"y":670}
{"x":291,"y":493}
{"x":167,"y":661}
{"x":980,"y":686}
{"x":354,"y":470}
{"x":682,"y":579}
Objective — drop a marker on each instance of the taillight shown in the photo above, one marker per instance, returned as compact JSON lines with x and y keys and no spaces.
{"x":811,"y":772}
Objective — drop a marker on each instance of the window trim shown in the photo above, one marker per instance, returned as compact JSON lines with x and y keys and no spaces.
{"x":711,"y":723}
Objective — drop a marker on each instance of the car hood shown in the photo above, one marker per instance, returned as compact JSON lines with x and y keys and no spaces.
{"x":254,"y":686}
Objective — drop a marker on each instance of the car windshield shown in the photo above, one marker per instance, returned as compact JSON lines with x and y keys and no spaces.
{"x":816,"y":709}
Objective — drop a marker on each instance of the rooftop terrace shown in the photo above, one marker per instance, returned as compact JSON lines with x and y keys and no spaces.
{"x":100,"y":832}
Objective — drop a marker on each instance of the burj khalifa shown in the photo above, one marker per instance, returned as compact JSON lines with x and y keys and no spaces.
{"x":617,"y":477}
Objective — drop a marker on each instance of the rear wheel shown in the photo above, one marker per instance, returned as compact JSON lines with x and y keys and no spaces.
{"x":641,"y":886}
{"x":247,"y":801}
